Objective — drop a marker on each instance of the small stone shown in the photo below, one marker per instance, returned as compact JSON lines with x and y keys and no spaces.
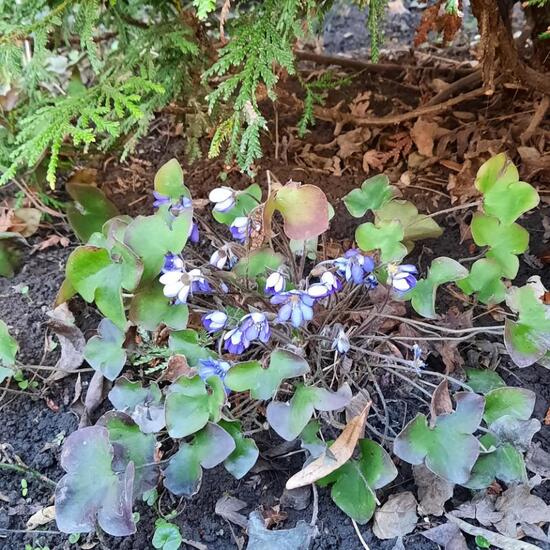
{"x":296,"y":499}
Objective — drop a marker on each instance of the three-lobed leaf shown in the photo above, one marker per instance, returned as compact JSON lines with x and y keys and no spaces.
{"x":264,"y":382}
{"x":385,"y":236}
{"x":355,"y":483}
{"x":169,"y":180}
{"x":373,"y":194}
{"x":105,"y":352}
{"x":448,"y":449}
{"x":518,"y":403}
{"x":246,"y":452}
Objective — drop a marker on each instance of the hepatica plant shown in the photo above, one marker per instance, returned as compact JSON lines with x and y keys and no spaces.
{"x":255,"y":324}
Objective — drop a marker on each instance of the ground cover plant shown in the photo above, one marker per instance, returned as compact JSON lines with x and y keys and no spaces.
{"x":318,"y":290}
{"x":253,"y":327}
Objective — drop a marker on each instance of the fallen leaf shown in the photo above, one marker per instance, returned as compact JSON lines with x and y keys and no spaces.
{"x":26,"y":221}
{"x":441,"y":402}
{"x":493,"y":538}
{"x":94,"y":397}
{"x":433,"y":491}
{"x":480,"y":508}
{"x":177,"y":366}
{"x":42,"y":517}
{"x":71,"y":339}
{"x":335,"y":456}
{"x":423,"y":134}
{"x":260,"y":538}
{"x":228,"y":508}
{"x":537,"y":461}
{"x":447,"y":535}
{"x":397,"y":517}
{"x":53,"y":240}
{"x":296,"y":499}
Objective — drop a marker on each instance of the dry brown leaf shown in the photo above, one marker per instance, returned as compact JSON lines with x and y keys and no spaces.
{"x":433,"y":491}
{"x":42,"y":517}
{"x":359,"y":106}
{"x":53,"y":240}
{"x":375,"y":159}
{"x":177,"y":366}
{"x":397,"y":517}
{"x":337,"y":454}
{"x":423,"y":134}
{"x":26,"y":221}
{"x":441,"y":402}
{"x":461,"y":185}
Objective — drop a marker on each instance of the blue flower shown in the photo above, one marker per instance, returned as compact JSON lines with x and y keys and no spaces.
{"x":160,"y":199}
{"x":354,"y":266}
{"x":297,"y":306}
{"x":275,"y":283}
{"x":179,"y":284}
{"x":194,"y":232}
{"x":214,"y":321}
{"x":223,"y":198}
{"x":253,"y":326}
{"x":172,"y":262}
{"x":234,"y":341}
{"x":240,"y":228}
{"x":371,"y":281}
{"x":213,"y":367}
{"x":328,"y":285}
{"x":176,"y":206}
{"x":417,"y":362}
{"x":402,"y":277}
{"x":341,"y":343}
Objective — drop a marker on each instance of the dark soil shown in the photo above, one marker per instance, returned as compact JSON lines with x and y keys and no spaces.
{"x":32,"y":427}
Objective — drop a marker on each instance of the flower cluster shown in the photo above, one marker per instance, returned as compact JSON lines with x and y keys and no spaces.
{"x":180,"y":283}
{"x":354,"y":266}
{"x":296,"y":307}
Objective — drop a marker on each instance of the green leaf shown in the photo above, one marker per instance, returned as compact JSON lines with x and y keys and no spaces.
{"x":186,"y":343}
{"x":91,"y":489}
{"x":8,"y":346}
{"x":144,"y":405}
{"x":104,"y":352}
{"x":169,"y":180}
{"x":211,"y":446}
{"x":246,"y":453}
{"x":90,"y":210}
{"x":150,"y":308}
{"x":100,"y":279}
{"x":310,"y":439}
{"x":443,"y":270}
{"x":415,"y":226}
{"x":305,"y":210}
{"x":516,"y":402}
{"x":245,"y":202}
{"x":152,"y":237}
{"x":485,"y":279}
{"x":132,"y":446}
{"x":258,"y":262}
{"x":374,"y":193}
{"x":484,"y":380}
{"x":386,"y":237}
{"x":448,"y":449}
{"x":355,"y":483}
{"x":508,"y":201}
{"x":504,"y":463}
{"x":489,"y":231}
{"x":496,"y":169}
{"x":289,"y":419}
{"x":167,"y":535}
{"x":189,"y":404}
{"x":264,"y":382}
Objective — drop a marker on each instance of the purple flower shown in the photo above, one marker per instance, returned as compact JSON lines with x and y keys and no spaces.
{"x":328,"y":285}
{"x":194,"y":232}
{"x":172,"y":262}
{"x":275,"y":283}
{"x":223,"y":198}
{"x":213,"y":367}
{"x":234,"y":341}
{"x":341,"y":343}
{"x":255,"y":326}
{"x":223,"y":256}
{"x":371,"y":281}
{"x":402,"y":277}
{"x":297,"y":306}
{"x":160,"y":200}
{"x":239,"y":228}
{"x":214,"y":321}
{"x":199,"y":284}
{"x":354,"y":265}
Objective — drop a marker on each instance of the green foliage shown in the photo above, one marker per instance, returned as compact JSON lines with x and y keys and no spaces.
{"x":355,"y":483}
{"x":167,"y":535}
{"x":104,"y":352}
{"x":505,"y":199}
{"x":8,"y":350}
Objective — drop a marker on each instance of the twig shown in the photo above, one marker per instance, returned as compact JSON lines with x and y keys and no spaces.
{"x":30,"y":532}
{"x":454,"y":209}
{"x":469,"y":81}
{"x":359,"y":535}
{"x":536,"y":120}
{"x":315,"y":513}
{"x":23,"y":469}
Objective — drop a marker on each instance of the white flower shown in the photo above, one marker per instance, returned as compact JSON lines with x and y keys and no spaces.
{"x":223,"y":256}
{"x":223,"y":197}
{"x":341,"y":343}
{"x":179,"y":284}
{"x":275,"y":283}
